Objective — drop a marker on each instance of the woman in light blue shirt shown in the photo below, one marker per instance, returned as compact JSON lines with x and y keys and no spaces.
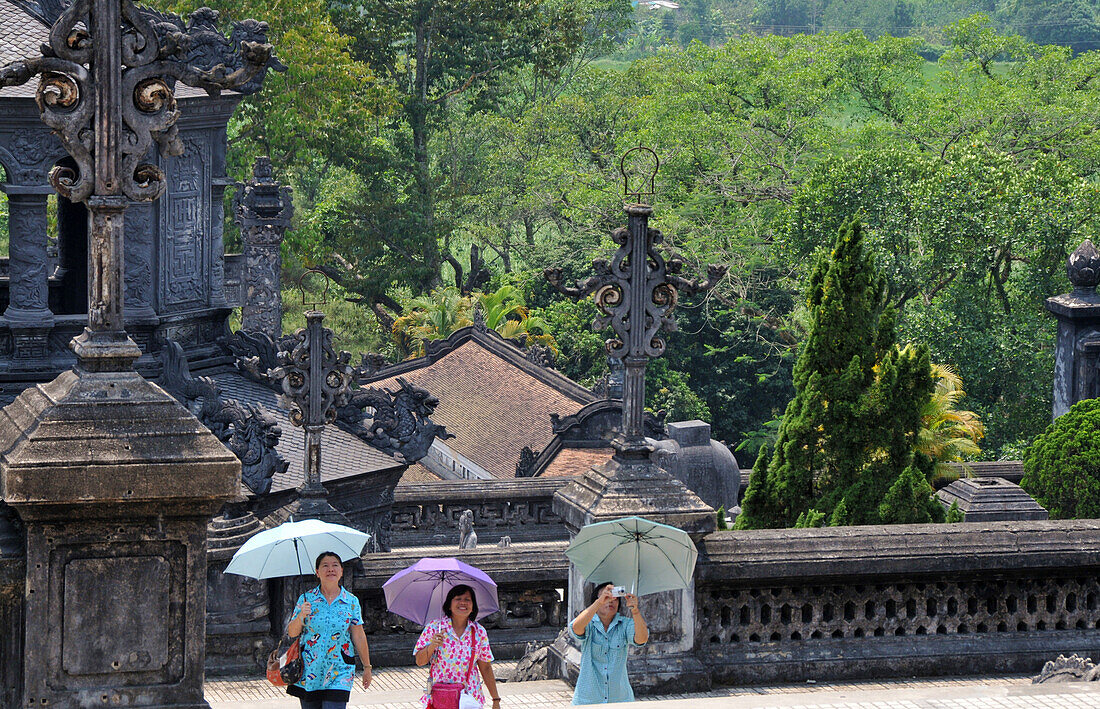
{"x":605,"y":634}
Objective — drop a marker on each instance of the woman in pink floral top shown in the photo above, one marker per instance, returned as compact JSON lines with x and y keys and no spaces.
{"x":447,"y":643}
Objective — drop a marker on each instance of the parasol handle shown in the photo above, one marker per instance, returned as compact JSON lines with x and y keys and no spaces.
{"x":637,"y":568}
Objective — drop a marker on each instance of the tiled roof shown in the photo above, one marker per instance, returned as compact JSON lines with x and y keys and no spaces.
{"x":342,"y":454}
{"x":20,"y":36}
{"x":494,"y":404}
{"x":417,"y":473}
{"x":571,"y":462}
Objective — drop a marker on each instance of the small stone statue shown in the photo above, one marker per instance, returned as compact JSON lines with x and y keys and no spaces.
{"x":467,"y":537}
{"x":505,"y":542}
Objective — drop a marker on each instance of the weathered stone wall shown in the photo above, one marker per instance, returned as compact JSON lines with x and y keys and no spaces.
{"x":791,"y":605}
{"x":427,"y":513}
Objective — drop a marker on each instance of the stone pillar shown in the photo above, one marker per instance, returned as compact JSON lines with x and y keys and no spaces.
{"x":140,"y":224}
{"x":114,"y":482}
{"x":219,"y":182}
{"x":28,"y":313}
{"x":631,"y":484}
{"x":217,"y":243}
{"x":264,"y":209}
{"x":1077,"y":350}
{"x":72,"y":256}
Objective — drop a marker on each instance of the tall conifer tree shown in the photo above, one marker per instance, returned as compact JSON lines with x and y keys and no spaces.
{"x":849,"y":432}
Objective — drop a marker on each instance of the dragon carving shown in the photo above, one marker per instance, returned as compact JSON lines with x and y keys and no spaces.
{"x":249,"y":431}
{"x":399,"y":422}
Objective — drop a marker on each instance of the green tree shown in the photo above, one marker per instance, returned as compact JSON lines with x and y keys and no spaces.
{"x":948,"y":433}
{"x":1062,"y":465}
{"x":911,"y":500}
{"x":431,"y":317}
{"x":446,"y":58}
{"x":850,"y":430}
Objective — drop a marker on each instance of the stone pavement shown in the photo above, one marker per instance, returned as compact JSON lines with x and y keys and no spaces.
{"x":399,"y":688}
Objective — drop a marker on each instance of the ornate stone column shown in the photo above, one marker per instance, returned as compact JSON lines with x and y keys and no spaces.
{"x":28,"y":313}
{"x":1077,"y":350}
{"x":113,"y":479}
{"x":263,"y":211}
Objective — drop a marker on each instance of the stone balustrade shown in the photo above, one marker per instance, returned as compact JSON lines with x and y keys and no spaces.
{"x":797,"y":604}
{"x":427,"y":513}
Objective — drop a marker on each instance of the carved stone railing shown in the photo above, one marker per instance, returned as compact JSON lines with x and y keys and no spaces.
{"x":791,"y":605}
{"x":427,"y":513}
{"x":530,"y":579}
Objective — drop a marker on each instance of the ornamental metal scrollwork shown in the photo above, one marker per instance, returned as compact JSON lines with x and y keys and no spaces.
{"x":636,"y":293}
{"x":299,"y":387}
{"x":156,"y":50}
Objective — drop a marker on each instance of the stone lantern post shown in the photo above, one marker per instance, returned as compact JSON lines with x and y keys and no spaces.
{"x":636,"y":292}
{"x":1077,"y":350}
{"x":113,"y":479}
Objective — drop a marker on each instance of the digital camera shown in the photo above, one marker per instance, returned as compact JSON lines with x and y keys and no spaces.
{"x":618,"y":591}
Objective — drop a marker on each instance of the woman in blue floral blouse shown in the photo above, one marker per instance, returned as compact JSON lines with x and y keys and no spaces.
{"x":329,"y":621}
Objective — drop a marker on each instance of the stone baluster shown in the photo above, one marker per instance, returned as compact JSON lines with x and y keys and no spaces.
{"x":28,"y":313}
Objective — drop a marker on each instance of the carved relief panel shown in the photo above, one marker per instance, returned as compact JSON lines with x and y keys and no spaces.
{"x":185,"y":219}
{"x":30,"y":152}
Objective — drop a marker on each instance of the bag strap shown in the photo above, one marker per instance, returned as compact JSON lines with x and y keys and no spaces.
{"x":473,"y":651}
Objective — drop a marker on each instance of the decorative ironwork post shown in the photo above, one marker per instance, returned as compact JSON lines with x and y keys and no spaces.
{"x":105,"y":88}
{"x":636,"y":293}
{"x":315,"y":380}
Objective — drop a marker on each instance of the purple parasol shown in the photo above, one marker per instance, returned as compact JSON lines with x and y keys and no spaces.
{"x":417,"y":592}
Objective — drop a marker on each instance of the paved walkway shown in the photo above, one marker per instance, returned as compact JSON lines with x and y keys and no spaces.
{"x":399,"y":688}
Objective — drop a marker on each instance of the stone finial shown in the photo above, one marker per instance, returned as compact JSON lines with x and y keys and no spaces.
{"x":262,"y":169}
{"x":1083,"y":268}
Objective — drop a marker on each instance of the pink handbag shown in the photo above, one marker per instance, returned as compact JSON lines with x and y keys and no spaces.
{"x":447,"y":695}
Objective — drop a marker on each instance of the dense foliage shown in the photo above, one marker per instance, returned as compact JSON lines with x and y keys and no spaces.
{"x":468,"y":144}
{"x":845,"y":452}
{"x":1062,"y":466}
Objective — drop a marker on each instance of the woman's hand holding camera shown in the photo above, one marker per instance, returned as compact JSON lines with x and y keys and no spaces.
{"x":631,"y":603}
